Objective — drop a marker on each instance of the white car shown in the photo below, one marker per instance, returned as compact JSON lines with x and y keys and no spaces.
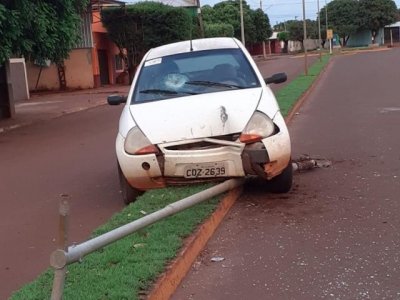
{"x":200,"y":111}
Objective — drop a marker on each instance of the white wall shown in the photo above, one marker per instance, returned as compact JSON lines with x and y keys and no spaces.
{"x":295,"y":46}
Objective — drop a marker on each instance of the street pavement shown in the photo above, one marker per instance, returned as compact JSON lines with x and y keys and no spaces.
{"x":49,"y":105}
{"x":336,"y":235}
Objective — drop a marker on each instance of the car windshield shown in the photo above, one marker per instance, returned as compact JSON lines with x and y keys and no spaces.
{"x":194,"y":73}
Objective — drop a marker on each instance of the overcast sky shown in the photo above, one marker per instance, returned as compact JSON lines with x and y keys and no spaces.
{"x":280,"y":10}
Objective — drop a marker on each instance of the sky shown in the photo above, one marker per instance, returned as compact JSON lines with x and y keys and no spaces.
{"x":281,"y":10}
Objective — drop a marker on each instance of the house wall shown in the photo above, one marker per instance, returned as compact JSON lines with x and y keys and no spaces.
{"x":392,"y":34}
{"x":364,"y":38}
{"x":97,"y":25}
{"x":78,"y":72}
{"x":310,"y":44}
{"x":257,"y":48}
{"x":103,"y":43}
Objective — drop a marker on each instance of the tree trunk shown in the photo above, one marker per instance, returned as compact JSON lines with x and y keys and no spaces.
{"x":373,"y":34}
{"x":345,"y":40}
{"x":323,"y":41}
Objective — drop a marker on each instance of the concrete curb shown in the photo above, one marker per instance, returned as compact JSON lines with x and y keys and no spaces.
{"x":177,"y":270}
{"x":299,"y":103}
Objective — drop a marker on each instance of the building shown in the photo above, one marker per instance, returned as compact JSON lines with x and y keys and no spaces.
{"x":392,"y":34}
{"x":95,"y":61}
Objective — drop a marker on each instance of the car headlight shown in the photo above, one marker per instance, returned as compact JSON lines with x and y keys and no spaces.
{"x":259,"y":127}
{"x":137,"y":143}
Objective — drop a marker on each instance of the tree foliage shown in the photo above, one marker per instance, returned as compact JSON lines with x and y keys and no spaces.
{"x":343,"y":17}
{"x":376,"y":14}
{"x":256,"y":23}
{"x":283,"y":36}
{"x":262,"y":25}
{"x":218,"y":29}
{"x":346,"y":17}
{"x":144,"y":25}
{"x":39,"y":29}
{"x":296,"y":30}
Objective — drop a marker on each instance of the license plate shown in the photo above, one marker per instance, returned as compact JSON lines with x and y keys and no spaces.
{"x":205,"y":170}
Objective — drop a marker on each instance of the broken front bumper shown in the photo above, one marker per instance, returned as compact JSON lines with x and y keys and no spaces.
{"x":265,"y":159}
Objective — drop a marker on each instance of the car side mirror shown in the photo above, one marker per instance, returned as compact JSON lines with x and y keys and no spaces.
{"x":116,"y":99}
{"x":276,"y":78}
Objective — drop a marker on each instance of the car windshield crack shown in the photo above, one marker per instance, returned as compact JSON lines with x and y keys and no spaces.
{"x":167,"y":92}
{"x":212,"y":83}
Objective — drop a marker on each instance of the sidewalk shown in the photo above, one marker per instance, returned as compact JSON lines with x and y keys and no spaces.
{"x":50,"y":105}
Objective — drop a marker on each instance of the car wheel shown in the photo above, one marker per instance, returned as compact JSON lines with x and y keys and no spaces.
{"x":283,"y":182}
{"x":129,"y":194}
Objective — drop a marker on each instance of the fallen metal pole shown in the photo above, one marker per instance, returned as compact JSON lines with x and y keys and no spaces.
{"x":60,"y":258}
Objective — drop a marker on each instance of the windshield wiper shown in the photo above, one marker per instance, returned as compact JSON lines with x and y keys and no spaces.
{"x":213,"y":83}
{"x":167,"y":92}
{"x":157,"y":91}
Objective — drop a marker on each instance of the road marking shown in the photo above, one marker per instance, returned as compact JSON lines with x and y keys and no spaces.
{"x":389,"y":109}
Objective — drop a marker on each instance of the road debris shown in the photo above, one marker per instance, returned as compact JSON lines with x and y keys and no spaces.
{"x":217,"y":259}
{"x":305,"y":163}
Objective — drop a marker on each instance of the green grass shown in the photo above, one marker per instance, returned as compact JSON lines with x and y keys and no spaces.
{"x":125,"y":268}
{"x":289,"y":95}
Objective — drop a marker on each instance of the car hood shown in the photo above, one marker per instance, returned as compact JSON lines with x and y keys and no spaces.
{"x":197,"y":116}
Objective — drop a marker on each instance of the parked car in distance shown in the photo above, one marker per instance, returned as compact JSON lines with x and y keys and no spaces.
{"x":200,"y":111}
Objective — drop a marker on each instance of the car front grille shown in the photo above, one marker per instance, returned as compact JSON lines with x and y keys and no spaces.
{"x":203,"y":145}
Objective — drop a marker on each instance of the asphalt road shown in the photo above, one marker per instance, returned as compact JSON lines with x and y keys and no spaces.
{"x":72,"y":155}
{"x":337,"y":234}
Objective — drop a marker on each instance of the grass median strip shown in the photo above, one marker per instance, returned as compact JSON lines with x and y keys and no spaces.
{"x":124,"y":269}
{"x":289,"y":95}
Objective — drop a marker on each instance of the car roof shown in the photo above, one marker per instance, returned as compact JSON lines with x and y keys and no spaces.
{"x":197,"y":45}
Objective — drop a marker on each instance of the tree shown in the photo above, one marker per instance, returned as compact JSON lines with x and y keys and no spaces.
{"x":376,"y":14}
{"x":228,"y":12}
{"x":39,"y":29}
{"x":283,"y":36}
{"x":262,"y":26}
{"x":145,"y":25}
{"x":296,"y":30}
{"x":256,"y":23}
{"x":218,"y":29}
{"x":280,"y":26}
{"x":10,"y":32}
{"x":344,"y":18}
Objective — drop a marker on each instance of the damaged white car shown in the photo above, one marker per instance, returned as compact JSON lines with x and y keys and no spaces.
{"x":200,"y":111}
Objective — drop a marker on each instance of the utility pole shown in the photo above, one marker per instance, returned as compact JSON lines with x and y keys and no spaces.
{"x":263,"y":43}
{"x":326,"y":24}
{"x":319,"y":32}
{"x":200,"y":18}
{"x":242,"y":23}
{"x":304,"y":40}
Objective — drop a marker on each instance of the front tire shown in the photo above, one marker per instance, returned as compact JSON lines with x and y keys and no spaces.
{"x":283,"y":182}
{"x":128,"y":193}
